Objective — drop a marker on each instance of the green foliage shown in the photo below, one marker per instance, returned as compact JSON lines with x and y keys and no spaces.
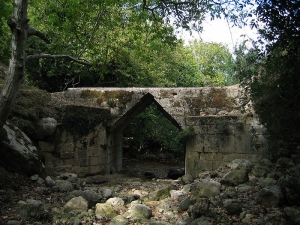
{"x":214,"y":61}
{"x":151,"y":129}
{"x":125,"y":48}
{"x":247,"y":62}
{"x":6,"y":9}
{"x":272,"y":70}
{"x":130,"y":43}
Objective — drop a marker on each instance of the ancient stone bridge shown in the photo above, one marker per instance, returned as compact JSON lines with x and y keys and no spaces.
{"x":92,"y":120}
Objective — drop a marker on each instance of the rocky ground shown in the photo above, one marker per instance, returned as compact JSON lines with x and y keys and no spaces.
{"x":239,"y":193}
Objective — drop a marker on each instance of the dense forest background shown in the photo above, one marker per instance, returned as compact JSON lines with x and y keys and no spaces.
{"x":131,"y":43}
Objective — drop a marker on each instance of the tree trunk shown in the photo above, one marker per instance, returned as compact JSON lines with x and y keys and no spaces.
{"x":18,"y":24}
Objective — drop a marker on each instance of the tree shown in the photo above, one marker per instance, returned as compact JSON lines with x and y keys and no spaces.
{"x":215,"y":62}
{"x":5,"y":11}
{"x":20,"y":29}
{"x":273,"y":73}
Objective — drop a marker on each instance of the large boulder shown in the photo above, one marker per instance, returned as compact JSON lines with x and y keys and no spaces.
{"x":18,"y":154}
{"x":78,"y":204}
{"x":119,"y":220}
{"x":270,"y":196}
{"x":238,"y":175}
{"x":64,"y":186}
{"x":30,"y":209}
{"x":206,"y":188}
{"x":293,"y":214}
{"x":138,"y":211}
{"x":90,"y":196}
{"x":45,"y":127}
{"x":105,"y":210}
{"x":290,"y":183}
{"x":200,"y":208}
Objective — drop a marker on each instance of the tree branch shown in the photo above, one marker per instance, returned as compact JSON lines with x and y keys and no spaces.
{"x":31,"y":31}
{"x":39,"y":56}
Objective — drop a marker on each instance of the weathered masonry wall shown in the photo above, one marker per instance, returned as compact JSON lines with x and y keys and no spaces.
{"x":89,"y":139}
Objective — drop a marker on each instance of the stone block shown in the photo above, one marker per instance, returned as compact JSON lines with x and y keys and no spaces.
{"x":211,"y":144}
{"x":67,"y":147}
{"x":217,"y":164}
{"x":93,"y":160}
{"x":207,"y":156}
{"x":55,"y":171}
{"x":46,"y":146}
{"x":66,"y":155}
{"x":96,"y":169}
{"x":205,"y":165}
{"x":80,"y":157}
{"x":52,"y":161}
{"x":218,"y":157}
{"x":231,"y":156}
{"x":252,"y":157}
{"x":80,"y":171}
{"x":176,"y":111}
{"x":94,"y":151}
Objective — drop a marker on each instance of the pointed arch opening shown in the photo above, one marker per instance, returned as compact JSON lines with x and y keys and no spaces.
{"x":128,"y":146}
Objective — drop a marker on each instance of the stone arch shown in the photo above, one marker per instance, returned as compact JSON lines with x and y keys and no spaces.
{"x":115,"y":134}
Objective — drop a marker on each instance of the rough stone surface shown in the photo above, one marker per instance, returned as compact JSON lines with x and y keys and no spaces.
{"x":187,"y":179}
{"x":200,"y":208}
{"x":105,"y":210}
{"x":202,"y":220}
{"x":271,"y":196}
{"x":119,"y":220}
{"x":115,"y":201}
{"x":90,"y":196}
{"x":97,"y":179}
{"x":237,"y":162}
{"x":290,"y":183}
{"x":31,"y":208}
{"x":232,"y":208}
{"x":76,"y":204}
{"x":18,"y":154}
{"x":138,"y":211}
{"x":222,"y":132}
{"x":45,"y":127}
{"x":252,"y":202}
{"x":49,"y":181}
{"x":64,"y":186}
{"x":238,"y":175}
{"x":185,"y":204}
{"x":293,"y":214}
{"x":206,"y":188}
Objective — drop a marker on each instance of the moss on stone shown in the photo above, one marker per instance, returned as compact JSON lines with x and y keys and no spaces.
{"x":90,"y":94}
{"x":216,"y":98}
{"x":160,"y":194}
{"x":30,"y":105}
{"x":219,"y":99}
{"x":119,"y":97}
{"x":165,"y":94}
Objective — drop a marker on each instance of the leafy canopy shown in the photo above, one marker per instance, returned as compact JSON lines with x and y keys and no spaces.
{"x":128,"y":42}
{"x":271,"y":70}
